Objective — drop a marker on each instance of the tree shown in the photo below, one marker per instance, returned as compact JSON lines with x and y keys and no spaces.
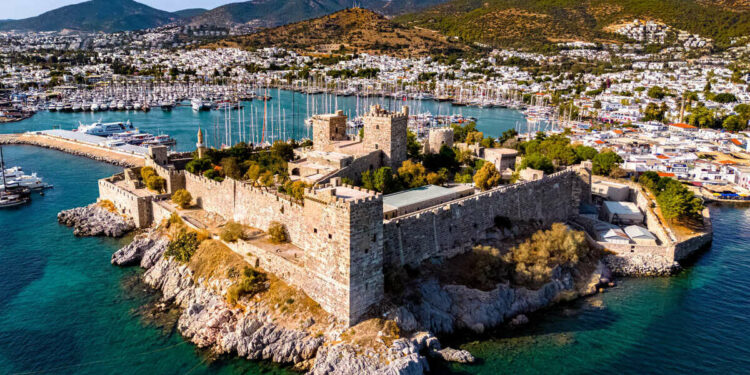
{"x":232,"y":232}
{"x":474,"y":137}
{"x":734,"y":123}
{"x":487,"y":177}
{"x":267,"y":179}
{"x":585,"y":152}
{"x":537,"y":161}
{"x":147,"y":172}
{"x":604,"y":162}
{"x":725,"y":97}
{"x":438,"y":178}
{"x":277,"y":232}
{"x":183,"y":246}
{"x":412,"y":174}
{"x":231,"y":168}
{"x":656,"y":92}
{"x":198,"y":166}
{"x":253,"y":173}
{"x":156,"y":183}
{"x":384,"y":181}
{"x":182,"y":198}
{"x":535,"y":259}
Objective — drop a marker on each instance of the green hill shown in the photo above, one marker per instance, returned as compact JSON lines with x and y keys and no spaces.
{"x":535,"y":23}
{"x":270,"y":13}
{"x":95,"y":15}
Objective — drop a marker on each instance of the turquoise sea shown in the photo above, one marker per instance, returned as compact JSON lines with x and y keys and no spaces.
{"x":65,"y":310}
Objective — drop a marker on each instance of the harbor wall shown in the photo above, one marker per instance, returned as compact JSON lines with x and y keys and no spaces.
{"x":453,"y":228}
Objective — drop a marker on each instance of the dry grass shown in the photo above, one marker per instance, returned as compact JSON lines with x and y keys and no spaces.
{"x":215,"y":260}
{"x":107,"y":205}
{"x":366,"y":334}
{"x":291,"y":303}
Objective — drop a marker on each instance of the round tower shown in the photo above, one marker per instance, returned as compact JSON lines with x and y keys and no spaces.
{"x":439,"y":137}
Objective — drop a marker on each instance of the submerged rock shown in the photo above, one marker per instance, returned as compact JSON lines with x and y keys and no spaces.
{"x":453,"y":355}
{"x":95,"y":220}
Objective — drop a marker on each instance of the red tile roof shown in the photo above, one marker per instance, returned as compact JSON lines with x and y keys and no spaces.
{"x":683,"y":126}
{"x":666,"y":174}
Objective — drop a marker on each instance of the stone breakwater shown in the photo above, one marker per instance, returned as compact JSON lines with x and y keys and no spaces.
{"x":78,"y":149}
{"x":640,"y":265}
{"x":209,"y":322}
{"x":95,"y":220}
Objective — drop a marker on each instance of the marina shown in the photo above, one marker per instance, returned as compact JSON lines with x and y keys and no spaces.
{"x":284,"y":117}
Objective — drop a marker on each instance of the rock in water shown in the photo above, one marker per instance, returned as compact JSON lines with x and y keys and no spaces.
{"x":145,"y":249}
{"x":95,"y":220}
{"x":453,"y":355}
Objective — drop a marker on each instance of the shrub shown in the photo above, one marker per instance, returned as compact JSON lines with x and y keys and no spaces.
{"x":146,"y":173}
{"x":487,"y":177}
{"x":252,"y":282}
{"x":175,"y":219}
{"x":156,"y":183}
{"x":183,"y":246}
{"x":182,"y":198}
{"x":537,"y":257}
{"x":277,"y":231}
{"x":232,"y":232}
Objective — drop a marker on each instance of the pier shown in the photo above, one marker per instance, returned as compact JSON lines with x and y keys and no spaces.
{"x":73,"y":144}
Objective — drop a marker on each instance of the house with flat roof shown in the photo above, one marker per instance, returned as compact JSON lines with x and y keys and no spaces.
{"x":621,"y":212}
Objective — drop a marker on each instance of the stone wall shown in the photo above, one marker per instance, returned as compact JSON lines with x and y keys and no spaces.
{"x":373,"y":160}
{"x":453,"y":228}
{"x":175,"y":179}
{"x":386,"y":131}
{"x":126,"y":202}
{"x":243,"y":203}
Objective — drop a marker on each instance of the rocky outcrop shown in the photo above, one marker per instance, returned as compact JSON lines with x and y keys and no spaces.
{"x":341,"y":359}
{"x":95,"y":220}
{"x":640,"y":265}
{"x":447,"y":308}
{"x":146,"y":249}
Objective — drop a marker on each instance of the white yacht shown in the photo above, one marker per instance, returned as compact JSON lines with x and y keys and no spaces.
{"x":105,"y":129}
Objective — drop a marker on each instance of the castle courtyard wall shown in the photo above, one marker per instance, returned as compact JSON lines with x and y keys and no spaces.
{"x":451,"y":229}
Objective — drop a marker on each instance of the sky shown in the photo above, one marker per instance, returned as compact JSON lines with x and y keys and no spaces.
{"x":15,"y":9}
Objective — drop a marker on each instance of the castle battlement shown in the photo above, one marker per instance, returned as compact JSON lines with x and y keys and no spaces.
{"x":378,"y":111}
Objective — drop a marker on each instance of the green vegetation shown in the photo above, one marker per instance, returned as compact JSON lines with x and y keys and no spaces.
{"x":675,"y":201}
{"x":156,"y":183}
{"x":251,"y":283}
{"x":277,"y":232}
{"x":232,"y":232}
{"x":182,"y":198}
{"x":604,"y":163}
{"x":487,"y":177}
{"x":657,"y":92}
{"x":544,"y":153}
{"x":183,"y":246}
{"x":539,"y":24}
{"x":536,"y":258}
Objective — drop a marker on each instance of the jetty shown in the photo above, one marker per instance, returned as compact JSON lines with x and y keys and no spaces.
{"x":73,"y":143}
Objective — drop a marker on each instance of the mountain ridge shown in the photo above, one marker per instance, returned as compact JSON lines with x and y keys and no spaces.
{"x":534,"y":23}
{"x":352,"y":30}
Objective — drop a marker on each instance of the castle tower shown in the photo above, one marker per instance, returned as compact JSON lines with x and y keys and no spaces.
{"x":386,"y":131}
{"x":201,"y":147}
{"x":327,"y":129}
{"x":345,"y":244}
{"x":438,"y":138}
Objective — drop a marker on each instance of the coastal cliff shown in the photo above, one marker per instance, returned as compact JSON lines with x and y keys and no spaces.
{"x":259,"y":329}
{"x":96,"y":219}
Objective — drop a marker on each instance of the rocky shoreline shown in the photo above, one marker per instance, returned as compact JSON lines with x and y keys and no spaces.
{"x":254,"y":330}
{"x":640,"y":265}
{"x":95,"y":220}
{"x":18,"y":140}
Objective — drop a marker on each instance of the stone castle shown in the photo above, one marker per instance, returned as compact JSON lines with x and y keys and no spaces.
{"x":341,"y":246}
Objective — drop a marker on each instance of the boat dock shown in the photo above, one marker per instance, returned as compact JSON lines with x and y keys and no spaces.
{"x":80,"y":144}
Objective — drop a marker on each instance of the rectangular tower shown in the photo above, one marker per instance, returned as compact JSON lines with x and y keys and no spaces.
{"x":327,"y":129}
{"x":344,"y":249}
{"x":386,"y":131}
